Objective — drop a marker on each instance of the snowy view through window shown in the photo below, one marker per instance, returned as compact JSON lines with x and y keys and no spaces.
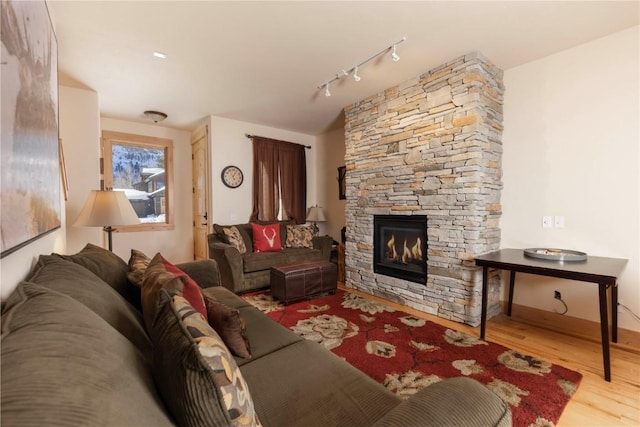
{"x":139,"y":172}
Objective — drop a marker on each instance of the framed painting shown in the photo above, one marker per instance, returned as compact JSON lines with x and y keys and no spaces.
{"x":29,"y":164}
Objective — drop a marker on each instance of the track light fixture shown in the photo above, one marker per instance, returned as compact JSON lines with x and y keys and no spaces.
{"x":354,"y":69}
{"x":394,"y":55}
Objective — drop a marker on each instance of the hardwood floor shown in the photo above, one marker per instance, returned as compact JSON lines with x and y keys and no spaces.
{"x":596,"y":402}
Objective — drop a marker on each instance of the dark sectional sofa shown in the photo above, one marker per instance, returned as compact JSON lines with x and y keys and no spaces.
{"x":251,"y":270}
{"x":75,"y":352}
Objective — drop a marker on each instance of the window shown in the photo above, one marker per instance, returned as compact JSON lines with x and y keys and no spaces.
{"x":142,"y":167}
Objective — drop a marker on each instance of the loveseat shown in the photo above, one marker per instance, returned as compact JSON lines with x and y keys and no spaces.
{"x":244,"y":269}
{"x":76,"y":352}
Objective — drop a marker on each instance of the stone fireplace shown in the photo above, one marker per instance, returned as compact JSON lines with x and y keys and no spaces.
{"x":429,"y":147}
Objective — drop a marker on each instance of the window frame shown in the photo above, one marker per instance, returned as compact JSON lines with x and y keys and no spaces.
{"x":108,"y":140}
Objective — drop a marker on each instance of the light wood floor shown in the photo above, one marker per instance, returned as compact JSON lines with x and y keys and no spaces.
{"x":596,"y":402}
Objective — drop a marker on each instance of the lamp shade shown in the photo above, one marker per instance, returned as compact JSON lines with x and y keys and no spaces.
{"x":107,"y":208}
{"x":315,"y":214}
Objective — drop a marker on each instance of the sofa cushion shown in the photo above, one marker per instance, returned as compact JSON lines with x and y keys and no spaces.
{"x":340,"y":396}
{"x":64,"y":365}
{"x":299,"y":236}
{"x":196,"y":375}
{"x":107,"y":266}
{"x":225,"y":296}
{"x":234,"y":238}
{"x":243,"y":229}
{"x":138,"y":263}
{"x":229,"y":324}
{"x":156,"y":277}
{"x":266,"y":238}
{"x":82,"y":285}
{"x":191,"y":290}
{"x":294,"y":255}
{"x":258,"y":261}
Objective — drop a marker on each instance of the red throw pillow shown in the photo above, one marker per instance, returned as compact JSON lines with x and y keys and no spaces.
{"x":266,"y":238}
{"x":191,"y":291}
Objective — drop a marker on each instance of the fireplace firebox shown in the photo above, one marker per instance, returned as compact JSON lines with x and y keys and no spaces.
{"x":400,"y":246}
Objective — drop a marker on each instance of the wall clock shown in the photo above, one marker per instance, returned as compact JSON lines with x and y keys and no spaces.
{"x":232,"y":176}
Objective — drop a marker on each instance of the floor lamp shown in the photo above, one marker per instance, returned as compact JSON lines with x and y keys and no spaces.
{"x":106,"y":208}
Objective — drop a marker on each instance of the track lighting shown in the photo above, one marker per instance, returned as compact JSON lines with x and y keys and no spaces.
{"x":394,"y":55}
{"x":356,"y":76}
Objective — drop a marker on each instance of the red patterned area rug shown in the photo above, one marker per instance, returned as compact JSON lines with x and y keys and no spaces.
{"x":406,"y":353}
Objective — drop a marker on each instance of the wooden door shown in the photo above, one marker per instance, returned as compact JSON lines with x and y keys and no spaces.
{"x":199,"y":160}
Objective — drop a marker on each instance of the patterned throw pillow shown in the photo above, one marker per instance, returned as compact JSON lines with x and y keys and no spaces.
{"x":299,"y":236}
{"x":266,"y":238}
{"x":138,"y":264}
{"x":161,"y":274}
{"x":229,"y":324}
{"x":195,"y":373}
{"x":234,"y":238}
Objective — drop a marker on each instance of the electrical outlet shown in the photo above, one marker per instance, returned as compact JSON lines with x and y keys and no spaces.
{"x":620,"y":306}
{"x":558,"y":222}
{"x":557,"y":295}
{"x":547,"y":221}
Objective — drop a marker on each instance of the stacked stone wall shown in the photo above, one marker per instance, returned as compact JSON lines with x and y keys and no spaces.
{"x":429,"y":146}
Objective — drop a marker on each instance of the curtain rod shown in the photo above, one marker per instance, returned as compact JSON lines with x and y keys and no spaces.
{"x":308,"y":147}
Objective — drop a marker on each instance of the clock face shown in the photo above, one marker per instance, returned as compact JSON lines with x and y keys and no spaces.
{"x":232,"y":176}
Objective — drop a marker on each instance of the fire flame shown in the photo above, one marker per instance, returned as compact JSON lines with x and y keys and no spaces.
{"x":391,"y":244}
{"x":415,"y":253}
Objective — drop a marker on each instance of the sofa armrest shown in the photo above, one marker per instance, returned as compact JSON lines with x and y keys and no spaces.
{"x":451,"y":402}
{"x":230,"y":263}
{"x":324,"y":244}
{"x":205,"y":272}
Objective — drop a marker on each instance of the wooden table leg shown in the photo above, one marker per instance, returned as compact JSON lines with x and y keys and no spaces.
{"x":512,"y":281}
{"x":485,"y":295}
{"x":614,"y":312}
{"x":604,"y":330}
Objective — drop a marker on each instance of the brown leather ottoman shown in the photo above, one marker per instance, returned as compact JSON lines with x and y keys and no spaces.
{"x":302,"y":280}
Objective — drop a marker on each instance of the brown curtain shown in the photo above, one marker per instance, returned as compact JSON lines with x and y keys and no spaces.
{"x":293,"y":181}
{"x":265,"y":179}
{"x":279,"y":167}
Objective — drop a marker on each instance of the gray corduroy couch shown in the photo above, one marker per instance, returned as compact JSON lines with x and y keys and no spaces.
{"x":75,"y":352}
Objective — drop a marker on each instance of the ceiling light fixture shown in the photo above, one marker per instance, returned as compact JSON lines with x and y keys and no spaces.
{"x":160,"y":55}
{"x":356,"y":77}
{"x":394,"y":55}
{"x":354,"y":69}
{"x":156,"y":116}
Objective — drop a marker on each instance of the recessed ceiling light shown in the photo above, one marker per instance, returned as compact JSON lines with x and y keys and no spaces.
{"x":160,"y":55}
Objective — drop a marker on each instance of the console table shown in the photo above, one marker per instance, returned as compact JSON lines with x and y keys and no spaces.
{"x":599,"y":270}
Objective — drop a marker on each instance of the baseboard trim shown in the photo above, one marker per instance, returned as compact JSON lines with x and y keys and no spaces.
{"x":586,"y":329}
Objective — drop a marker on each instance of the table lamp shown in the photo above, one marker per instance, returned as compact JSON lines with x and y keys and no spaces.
{"x":315,"y":214}
{"x":106,"y":208}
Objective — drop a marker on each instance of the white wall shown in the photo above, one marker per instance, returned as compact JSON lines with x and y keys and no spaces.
{"x":175,"y":245}
{"x":571,"y":149}
{"x":331,"y":150}
{"x":229,"y":146}
{"x":79,"y":127}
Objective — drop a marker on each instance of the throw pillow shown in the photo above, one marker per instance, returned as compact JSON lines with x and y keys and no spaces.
{"x":138,"y":264}
{"x":235,"y":239}
{"x":161,"y":274}
{"x":266,"y":238}
{"x":198,"y":378}
{"x":229,"y":324}
{"x":299,"y":236}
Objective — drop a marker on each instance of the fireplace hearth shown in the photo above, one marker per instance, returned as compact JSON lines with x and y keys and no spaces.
{"x":400,"y":246}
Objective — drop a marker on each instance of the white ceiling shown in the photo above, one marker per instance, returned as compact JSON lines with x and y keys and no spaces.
{"x":262,"y":62}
